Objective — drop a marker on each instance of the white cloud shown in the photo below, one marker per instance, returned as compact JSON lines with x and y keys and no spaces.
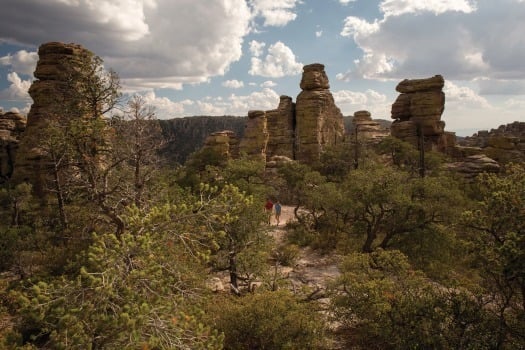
{"x":150,"y":43}
{"x":462,"y":95}
{"x":318,"y":33}
{"x":164,"y":107}
{"x":501,"y":87}
{"x":260,"y":100}
{"x":462,"y":40}
{"x":268,"y":84}
{"x":279,"y":62}
{"x":22,"y":62}
{"x":275,"y":12}
{"x":355,"y":27}
{"x":238,"y":105}
{"x":400,"y":7}
{"x":351,"y":101}
{"x":256,"y":48}
{"x":17,"y":90}
{"x":233,"y":84}
{"x":346,"y":2}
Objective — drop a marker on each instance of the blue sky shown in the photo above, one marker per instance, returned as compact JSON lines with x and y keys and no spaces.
{"x":225,"y":57}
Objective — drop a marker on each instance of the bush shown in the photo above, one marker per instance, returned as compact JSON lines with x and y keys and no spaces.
{"x":268,"y":320}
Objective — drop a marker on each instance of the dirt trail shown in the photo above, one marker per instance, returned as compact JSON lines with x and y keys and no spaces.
{"x":311,"y":268}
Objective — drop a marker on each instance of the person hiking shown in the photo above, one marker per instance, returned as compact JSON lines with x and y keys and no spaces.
{"x":268,"y":207}
{"x":277,"y":207}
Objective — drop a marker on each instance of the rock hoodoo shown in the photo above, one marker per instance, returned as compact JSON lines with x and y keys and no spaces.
{"x":319,"y":122}
{"x":417,"y":112}
{"x":297,"y":131}
{"x":56,"y":60}
{"x":11,"y":127}
{"x":368,"y":128}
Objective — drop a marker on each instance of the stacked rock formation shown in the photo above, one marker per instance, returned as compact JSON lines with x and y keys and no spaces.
{"x":417,"y":112}
{"x":367,"y":128}
{"x":255,"y":139}
{"x":281,"y":128}
{"x":56,"y":60}
{"x":319,"y":122}
{"x":11,"y":127}
{"x":224,"y":143}
{"x":298,"y":131}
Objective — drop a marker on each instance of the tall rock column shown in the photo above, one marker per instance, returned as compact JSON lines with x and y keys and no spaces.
{"x":280,"y":127}
{"x":255,"y":138}
{"x":56,"y":60}
{"x":319,"y":122}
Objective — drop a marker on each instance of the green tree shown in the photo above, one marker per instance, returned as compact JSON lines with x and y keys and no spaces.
{"x":497,"y":239}
{"x":382,"y":303}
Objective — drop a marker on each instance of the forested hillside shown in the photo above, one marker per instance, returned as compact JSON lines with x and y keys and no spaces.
{"x":107,"y":246}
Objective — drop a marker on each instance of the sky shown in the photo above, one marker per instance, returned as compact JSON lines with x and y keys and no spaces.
{"x":226,"y":57}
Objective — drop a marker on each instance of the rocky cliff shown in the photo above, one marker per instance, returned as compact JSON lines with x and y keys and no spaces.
{"x":11,"y":127}
{"x":504,"y":144}
{"x":189,"y":134}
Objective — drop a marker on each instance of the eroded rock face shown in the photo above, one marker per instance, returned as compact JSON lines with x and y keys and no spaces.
{"x":474,"y":165}
{"x":319,"y":122}
{"x":255,"y":139}
{"x":56,"y":60}
{"x":12,"y":125}
{"x":504,"y":144}
{"x":417,"y":111}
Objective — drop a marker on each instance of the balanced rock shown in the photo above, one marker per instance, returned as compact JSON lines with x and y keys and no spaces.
{"x":255,"y":138}
{"x":319,"y":122}
{"x":11,"y":127}
{"x":417,"y":112}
